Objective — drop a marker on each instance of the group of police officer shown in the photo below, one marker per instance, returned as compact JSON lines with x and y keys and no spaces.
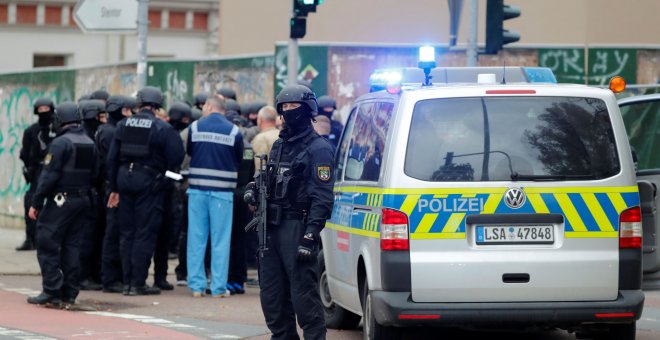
{"x":81,"y":159}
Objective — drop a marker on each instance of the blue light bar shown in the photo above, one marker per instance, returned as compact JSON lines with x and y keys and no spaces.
{"x":426,"y":53}
{"x":539,"y":75}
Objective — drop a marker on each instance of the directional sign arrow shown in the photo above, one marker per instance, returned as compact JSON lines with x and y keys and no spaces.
{"x":106,"y":16}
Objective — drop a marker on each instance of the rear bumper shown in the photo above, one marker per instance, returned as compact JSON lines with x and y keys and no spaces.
{"x":390,"y":306}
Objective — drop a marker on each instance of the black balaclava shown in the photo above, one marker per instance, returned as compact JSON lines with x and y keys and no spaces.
{"x":91,"y":125}
{"x":116,"y":116}
{"x":45,"y":118}
{"x":296,"y":120}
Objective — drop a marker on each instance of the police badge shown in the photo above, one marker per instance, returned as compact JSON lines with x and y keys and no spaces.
{"x":323,"y":173}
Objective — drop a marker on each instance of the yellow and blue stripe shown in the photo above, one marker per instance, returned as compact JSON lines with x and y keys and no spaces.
{"x":588,"y":211}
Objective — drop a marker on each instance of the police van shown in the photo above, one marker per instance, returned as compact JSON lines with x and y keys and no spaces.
{"x":488,"y":197}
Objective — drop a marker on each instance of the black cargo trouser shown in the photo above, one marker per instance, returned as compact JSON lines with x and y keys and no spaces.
{"x":58,"y":245}
{"x":181,"y":269}
{"x":139,"y":216}
{"x":171,"y":202}
{"x":91,"y":246}
{"x":110,"y":260}
{"x":237,"y":264}
{"x":289,"y":288}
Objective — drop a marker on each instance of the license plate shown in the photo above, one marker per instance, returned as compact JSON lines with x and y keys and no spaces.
{"x":515,"y":234}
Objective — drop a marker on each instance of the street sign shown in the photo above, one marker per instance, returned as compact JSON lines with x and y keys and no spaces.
{"x":106,"y":16}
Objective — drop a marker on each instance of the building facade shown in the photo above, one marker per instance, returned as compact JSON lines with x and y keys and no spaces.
{"x":40,"y":33}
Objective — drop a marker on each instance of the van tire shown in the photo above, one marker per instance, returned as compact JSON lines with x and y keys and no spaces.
{"x":371,"y":330}
{"x":619,"y":331}
{"x":336,"y":317}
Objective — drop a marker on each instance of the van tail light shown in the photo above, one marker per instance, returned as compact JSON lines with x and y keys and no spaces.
{"x":630,"y":228}
{"x":394,"y":230}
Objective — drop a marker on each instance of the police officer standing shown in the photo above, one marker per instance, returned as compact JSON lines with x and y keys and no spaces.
{"x":143,"y":149}
{"x":61,"y":203}
{"x":300,"y":193}
{"x":327,"y":107}
{"x":118,"y":107}
{"x":36,"y":139}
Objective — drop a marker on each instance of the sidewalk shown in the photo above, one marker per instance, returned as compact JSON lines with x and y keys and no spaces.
{"x":14,"y":262}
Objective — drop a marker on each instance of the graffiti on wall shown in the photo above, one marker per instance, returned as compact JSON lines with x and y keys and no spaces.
{"x":593,"y":66}
{"x":251,"y":78}
{"x":120,"y":79}
{"x":16,"y":107}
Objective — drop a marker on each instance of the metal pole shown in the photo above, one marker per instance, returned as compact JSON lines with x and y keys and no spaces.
{"x":143,"y":25}
{"x":472,"y":53}
{"x":292,"y":64}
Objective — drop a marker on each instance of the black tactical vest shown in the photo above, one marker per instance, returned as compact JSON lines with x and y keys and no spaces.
{"x":138,"y":132}
{"x":287,"y":169}
{"x":78,"y":169}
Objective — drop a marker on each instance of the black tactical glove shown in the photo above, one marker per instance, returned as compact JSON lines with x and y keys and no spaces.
{"x":308,"y":248}
{"x":251,"y":194}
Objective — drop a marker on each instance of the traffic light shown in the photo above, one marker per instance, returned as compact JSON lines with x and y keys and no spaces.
{"x":496,"y":35}
{"x":298,"y":28}
{"x":301,"y":8}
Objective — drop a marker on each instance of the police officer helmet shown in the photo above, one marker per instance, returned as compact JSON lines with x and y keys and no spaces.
{"x":90,"y":109}
{"x":150,"y":96}
{"x":297,"y":94}
{"x":246,"y":108}
{"x":327,"y":101}
{"x":84,"y":97}
{"x":256,"y":106}
{"x":179,"y":110}
{"x":227,"y":92}
{"x":232,"y":106}
{"x":196,"y":113}
{"x":43,"y":101}
{"x":66,"y":113}
{"x":116,"y":103}
{"x":100,"y":95}
{"x":200,"y":99}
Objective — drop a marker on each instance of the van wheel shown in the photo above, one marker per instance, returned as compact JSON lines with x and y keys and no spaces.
{"x":336,"y":317}
{"x":371,"y":330}
{"x":619,"y":331}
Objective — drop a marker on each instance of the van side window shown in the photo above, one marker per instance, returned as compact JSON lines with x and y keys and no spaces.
{"x":367,"y":143}
{"x":343,"y":146}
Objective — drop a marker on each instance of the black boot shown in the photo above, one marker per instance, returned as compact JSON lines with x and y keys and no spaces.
{"x":43,"y":299}
{"x":115,"y":287}
{"x":27,"y":245}
{"x":144,"y":290}
{"x":164,"y":285}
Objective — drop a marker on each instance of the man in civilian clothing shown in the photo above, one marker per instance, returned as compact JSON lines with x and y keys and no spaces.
{"x":216,"y":150}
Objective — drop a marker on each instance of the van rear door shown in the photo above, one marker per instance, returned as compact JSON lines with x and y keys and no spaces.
{"x":521,"y":203}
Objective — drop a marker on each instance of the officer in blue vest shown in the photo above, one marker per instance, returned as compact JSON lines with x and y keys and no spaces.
{"x":143,"y":149}
{"x":300,"y":199}
{"x":61,"y":204}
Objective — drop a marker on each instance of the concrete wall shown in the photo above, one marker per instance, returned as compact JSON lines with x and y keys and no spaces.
{"x":557,"y":22}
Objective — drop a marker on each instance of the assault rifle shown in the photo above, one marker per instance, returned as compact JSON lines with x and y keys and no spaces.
{"x":260,"y":220}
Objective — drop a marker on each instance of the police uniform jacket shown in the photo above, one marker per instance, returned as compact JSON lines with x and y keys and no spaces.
{"x":215,"y":146}
{"x":301,"y":176}
{"x":147,"y":141}
{"x":33,"y":150}
{"x":103,"y":140}
{"x":69,"y":166}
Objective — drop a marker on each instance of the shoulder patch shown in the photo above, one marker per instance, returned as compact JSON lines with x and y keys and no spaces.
{"x":323,"y":172}
{"x":48,"y":159}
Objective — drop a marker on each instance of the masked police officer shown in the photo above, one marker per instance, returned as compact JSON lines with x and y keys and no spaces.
{"x":36,"y":139}
{"x":327,"y":107}
{"x":61,"y":203}
{"x":300,"y":200}
{"x":118,"y":107}
{"x":143,"y":149}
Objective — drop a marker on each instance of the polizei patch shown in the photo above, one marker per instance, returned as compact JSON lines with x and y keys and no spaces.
{"x":323,"y":173}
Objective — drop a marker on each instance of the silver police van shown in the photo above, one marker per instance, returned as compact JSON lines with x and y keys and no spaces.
{"x":483,"y":198}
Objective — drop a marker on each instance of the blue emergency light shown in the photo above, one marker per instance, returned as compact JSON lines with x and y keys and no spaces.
{"x":427,"y":62}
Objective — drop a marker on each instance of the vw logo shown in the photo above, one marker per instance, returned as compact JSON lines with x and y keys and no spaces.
{"x":514,"y":198}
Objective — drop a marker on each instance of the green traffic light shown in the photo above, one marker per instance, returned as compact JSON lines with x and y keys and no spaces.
{"x":308,"y":2}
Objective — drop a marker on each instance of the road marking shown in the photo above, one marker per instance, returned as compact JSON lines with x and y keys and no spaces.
{"x":23,"y":335}
{"x":24,"y":291}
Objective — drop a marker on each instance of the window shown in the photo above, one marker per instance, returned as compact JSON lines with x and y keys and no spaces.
{"x":505,"y":138}
{"x":367,"y":143}
{"x":642,"y":122}
{"x":49,"y":60}
{"x":343,"y":147}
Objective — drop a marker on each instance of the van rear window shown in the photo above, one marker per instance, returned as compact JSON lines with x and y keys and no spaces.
{"x":511,"y":138}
